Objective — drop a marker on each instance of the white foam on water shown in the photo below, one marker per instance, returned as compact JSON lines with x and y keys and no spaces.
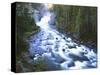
{"x":53,"y":46}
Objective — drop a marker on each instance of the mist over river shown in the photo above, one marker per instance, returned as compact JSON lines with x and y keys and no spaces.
{"x":59,"y":52}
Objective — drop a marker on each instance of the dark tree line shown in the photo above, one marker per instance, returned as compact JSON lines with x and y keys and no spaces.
{"x":78,"y":21}
{"x":25,"y":27}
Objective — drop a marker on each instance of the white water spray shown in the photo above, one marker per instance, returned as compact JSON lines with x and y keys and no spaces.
{"x":59,"y":52}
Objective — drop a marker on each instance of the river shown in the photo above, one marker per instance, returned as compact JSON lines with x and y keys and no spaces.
{"x":60,"y":52}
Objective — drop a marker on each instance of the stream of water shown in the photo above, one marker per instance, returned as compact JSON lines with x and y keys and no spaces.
{"x":59,"y":52}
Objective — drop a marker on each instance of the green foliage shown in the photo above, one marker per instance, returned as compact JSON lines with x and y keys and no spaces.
{"x":79,"y":21}
{"x":23,"y":65}
{"x":39,"y":65}
{"x":25,"y":26}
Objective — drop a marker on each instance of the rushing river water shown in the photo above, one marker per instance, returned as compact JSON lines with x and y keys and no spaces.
{"x":59,"y":52}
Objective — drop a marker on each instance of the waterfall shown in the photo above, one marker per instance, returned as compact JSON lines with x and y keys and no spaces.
{"x":59,"y":52}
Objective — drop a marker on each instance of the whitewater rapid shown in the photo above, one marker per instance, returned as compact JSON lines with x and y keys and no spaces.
{"x":59,"y":52}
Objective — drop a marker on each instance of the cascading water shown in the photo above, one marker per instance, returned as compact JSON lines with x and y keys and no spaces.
{"x":59,"y":52}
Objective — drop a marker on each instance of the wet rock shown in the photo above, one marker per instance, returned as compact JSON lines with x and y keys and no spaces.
{"x":50,"y":63}
{"x":63,"y":50}
{"x":67,"y":64}
{"x":72,"y":46}
{"x":58,"y":58}
{"x":78,"y":58}
{"x":87,"y":64}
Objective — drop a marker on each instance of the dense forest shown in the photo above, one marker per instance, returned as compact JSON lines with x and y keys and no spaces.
{"x":79,"y":22}
{"x":25,"y":27}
